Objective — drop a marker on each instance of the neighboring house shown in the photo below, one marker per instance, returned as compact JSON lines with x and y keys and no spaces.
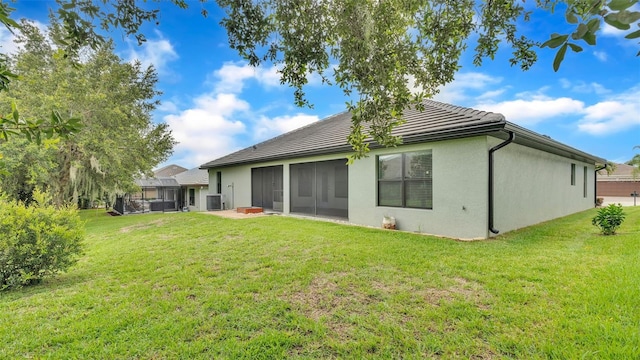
{"x":460,"y":173}
{"x":622,"y":182}
{"x":168,"y":171}
{"x":194,"y":185}
{"x":156,"y":194}
{"x":184,"y":190}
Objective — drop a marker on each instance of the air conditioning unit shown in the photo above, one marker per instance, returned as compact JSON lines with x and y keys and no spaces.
{"x":215,"y":202}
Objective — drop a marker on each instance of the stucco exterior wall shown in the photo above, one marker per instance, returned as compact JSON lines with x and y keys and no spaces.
{"x":532,"y":186}
{"x":200,"y":197}
{"x":240,"y":177}
{"x":459,"y":191}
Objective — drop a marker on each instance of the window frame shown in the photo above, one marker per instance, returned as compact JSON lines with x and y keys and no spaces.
{"x":573,"y":174}
{"x":192,"y":196}
{"x":584,"y":182}
{"x":404,"y":179}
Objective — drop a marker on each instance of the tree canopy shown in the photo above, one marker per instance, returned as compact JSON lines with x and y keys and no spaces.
{"x":117,"y":141}
{"x":377,"y":52}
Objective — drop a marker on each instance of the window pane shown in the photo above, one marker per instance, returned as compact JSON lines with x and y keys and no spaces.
{"x":192,"y":197}
{"x":390,"y":167}
{"x":419,"y":194}
{"x":417,"y":165}
{"x":305,"y":181}
{"x":390,"y":193}
{"x":342,"y":181}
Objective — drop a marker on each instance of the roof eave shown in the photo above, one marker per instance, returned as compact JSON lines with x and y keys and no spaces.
{"x":534,"y":140}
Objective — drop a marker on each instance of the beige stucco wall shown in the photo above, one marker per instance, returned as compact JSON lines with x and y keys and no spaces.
{"x":459,"y":191}
{"x":532,"y":186}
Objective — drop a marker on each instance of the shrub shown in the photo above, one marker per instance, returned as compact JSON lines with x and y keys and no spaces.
{"x":609,"y":219}
{"x":36,"y":241}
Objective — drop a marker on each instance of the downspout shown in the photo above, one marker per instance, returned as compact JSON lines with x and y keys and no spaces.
{"x":595,"y":184}
{"x":512,"y":136}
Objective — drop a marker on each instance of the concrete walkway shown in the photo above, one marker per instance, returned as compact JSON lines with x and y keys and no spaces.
{"x":623,"y":200}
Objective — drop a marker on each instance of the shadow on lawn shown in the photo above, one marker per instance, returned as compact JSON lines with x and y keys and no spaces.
{"x":59,"y":282}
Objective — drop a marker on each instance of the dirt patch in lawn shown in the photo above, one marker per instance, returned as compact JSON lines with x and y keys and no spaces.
{"x":334,"y":300}
{"x":153,"y":223}
{"x":327,"y":301}
{"x":461,"y":289}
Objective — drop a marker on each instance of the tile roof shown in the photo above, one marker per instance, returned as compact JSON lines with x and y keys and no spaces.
{"x":622,"y":172}
{"x":169,"y":170}
{"x":194,"y":176}
{"x":157,"y":182}
{"x":438,"y":121}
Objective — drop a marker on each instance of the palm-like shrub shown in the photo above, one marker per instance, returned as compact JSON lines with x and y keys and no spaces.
{"x":609,"y":219}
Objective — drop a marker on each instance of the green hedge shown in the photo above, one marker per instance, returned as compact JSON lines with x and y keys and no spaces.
{"x":36,"y":241}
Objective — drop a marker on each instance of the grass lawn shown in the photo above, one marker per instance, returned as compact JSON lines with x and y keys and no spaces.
{"x":189,"y":285}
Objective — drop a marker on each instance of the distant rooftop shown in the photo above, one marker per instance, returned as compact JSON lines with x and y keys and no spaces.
{"x":169,"y":170}
{"x":194,"y":176}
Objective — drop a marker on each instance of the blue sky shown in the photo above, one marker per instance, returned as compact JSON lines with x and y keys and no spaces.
{"x":216,"y":104}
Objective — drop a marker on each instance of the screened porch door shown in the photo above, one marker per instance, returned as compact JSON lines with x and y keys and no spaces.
{"x":320,"y":188}
{"x":266,"y":187}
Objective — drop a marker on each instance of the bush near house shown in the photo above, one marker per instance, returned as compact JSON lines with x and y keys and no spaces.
{"x":38,"y":240}
{"x":609,"y":219}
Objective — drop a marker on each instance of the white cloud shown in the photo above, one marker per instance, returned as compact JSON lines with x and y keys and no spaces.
{"x":207,"y":131}
{"x":7,"y":43}
{"x":565,"y":83}
{"x":232,"y":76}
{"x":608,"y":30}
{"x":168,"y":107}
{"x":601,"y":55}
{"x":592,"y":87}
{"x":157,"y":52}
{"x":612,"y":114}
{"x":270,"y":127}
{"x":583,"y":87}
{"x":456,"y":91}
{"x":530,"y":112}
{"x":617,"y":113}
{"x":490,"y":94}
{"x":217,"y":121}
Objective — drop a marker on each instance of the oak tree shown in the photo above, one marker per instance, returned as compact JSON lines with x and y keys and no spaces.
{"x":377,"y":52}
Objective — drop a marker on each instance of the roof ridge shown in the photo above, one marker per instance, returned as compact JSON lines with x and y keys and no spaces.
{"x":255,"y":146}
{"x":484,"y":115}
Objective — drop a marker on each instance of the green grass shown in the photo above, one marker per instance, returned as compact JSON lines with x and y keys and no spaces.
{"x":190,"y":285}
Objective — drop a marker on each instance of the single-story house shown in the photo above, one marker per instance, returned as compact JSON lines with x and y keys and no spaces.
{"x":621,"y":182}
{"x":194,"y":187}
{"x":460,"y":173}
{"x":184,"y":190}
{"x":169,"y":171}
{"x":156,"y":194}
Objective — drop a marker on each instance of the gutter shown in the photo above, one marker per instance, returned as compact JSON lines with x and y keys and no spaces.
{"x":595,"y":184}
{"x":512,"y":136}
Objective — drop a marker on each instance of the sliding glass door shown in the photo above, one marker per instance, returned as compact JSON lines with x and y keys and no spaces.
{"x":320,"y":188}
